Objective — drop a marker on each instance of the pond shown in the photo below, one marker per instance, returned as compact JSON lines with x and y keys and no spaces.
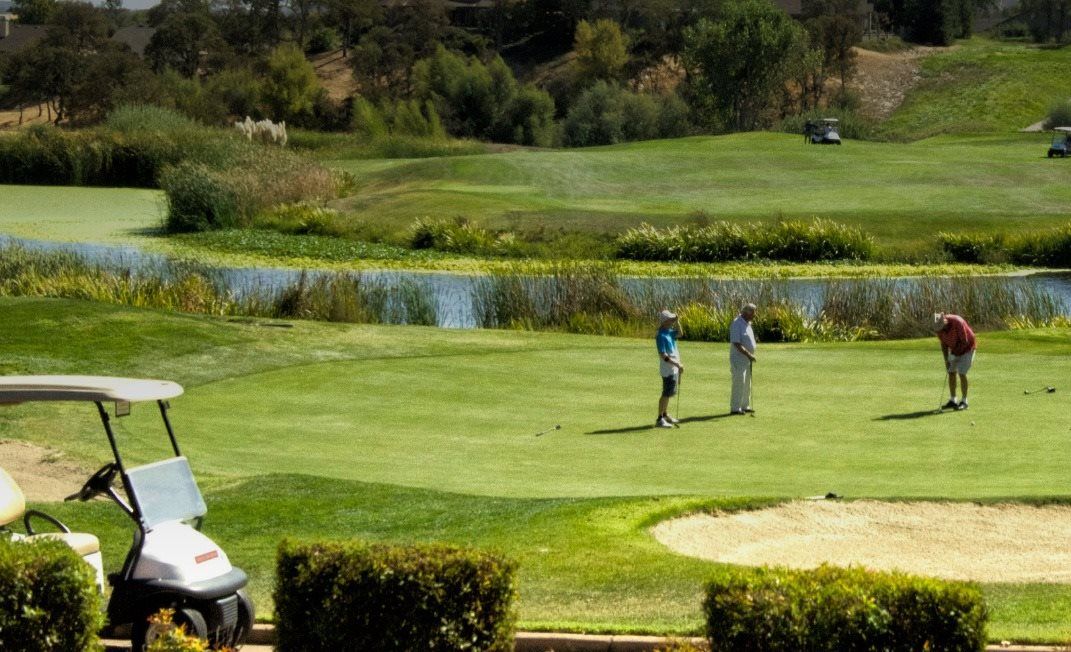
{"x":454,"y":294}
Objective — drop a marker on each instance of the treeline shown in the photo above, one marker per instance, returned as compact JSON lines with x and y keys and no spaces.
{"x":597,"y":73}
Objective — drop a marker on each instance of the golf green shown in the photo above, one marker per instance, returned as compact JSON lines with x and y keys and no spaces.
{"x":417,"y":434}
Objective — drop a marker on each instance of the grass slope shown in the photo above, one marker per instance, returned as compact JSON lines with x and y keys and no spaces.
{"x":901,"y":193}
{"x":406,"y":434}
{"x":982,"y":86}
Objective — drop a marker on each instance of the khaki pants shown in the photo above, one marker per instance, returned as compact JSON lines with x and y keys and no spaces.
{"x":741,"y":397}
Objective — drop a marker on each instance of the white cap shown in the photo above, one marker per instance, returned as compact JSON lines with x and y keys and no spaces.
{"x":665,"y":316}
{"x":938,"y":321}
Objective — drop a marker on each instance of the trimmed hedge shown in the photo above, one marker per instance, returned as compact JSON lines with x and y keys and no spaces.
{"x":48,"y":598}
{"x":840,"y":610}
{"x":356,"y":596}
{"x":791,"y":240}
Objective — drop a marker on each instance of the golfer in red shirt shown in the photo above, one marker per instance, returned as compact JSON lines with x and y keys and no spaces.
{"x":957,"y":347}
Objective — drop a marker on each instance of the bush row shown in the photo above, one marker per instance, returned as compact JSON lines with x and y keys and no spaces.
{"x":359,"y":596}
{"x":1049,"y":248}
{"x":356,"y":596}
{"x":839,"y":610}
{"x":725,"y":241}
{"x":48,"y":597}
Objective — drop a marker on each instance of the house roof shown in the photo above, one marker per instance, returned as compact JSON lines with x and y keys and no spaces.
{"x":21,"y":37}
{"x":136,"y":37}
{"x":791,"y":7}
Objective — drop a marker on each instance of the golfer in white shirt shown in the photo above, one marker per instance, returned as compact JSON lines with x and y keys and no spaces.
{"x":741,"y":357}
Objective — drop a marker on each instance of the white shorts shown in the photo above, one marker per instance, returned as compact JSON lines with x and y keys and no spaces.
{"x":960,"y":364}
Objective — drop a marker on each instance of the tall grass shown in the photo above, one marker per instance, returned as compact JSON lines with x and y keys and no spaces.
{"x":585,"y":298}
{"x":1048,"y":248}
{"x":792,"y":240}
{"x":187,"y":287}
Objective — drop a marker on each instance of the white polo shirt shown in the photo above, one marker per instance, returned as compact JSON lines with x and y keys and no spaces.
{"x":740,"y":333}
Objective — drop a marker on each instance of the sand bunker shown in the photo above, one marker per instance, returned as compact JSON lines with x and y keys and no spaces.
{"x":991,"y":543}
{"x":41,"y":473}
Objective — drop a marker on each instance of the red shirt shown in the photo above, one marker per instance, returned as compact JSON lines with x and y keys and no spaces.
{"x":957,"y":335}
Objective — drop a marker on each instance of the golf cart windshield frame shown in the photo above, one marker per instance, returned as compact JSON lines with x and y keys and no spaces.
{"x":106,"y":419}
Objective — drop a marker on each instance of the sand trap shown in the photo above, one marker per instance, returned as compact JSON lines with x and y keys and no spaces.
{"x":42,"y":474}
{"x":993,"y":543}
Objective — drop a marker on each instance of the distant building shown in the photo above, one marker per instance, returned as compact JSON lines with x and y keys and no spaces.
{"x":16,"y":38}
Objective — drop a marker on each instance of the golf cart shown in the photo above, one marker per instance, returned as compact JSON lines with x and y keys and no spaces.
{"x":1060,"y":144}
{"x":170,"y":563}
{"x":822,"y":133}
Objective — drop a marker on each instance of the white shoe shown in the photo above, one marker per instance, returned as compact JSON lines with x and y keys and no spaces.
{"x":662,"y":423}
{"x":671,"y":419}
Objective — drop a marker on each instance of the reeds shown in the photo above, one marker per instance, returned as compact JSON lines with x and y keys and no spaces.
{"x":188,"y":287}
{"x":1048,"y":248}
{"x":594,"y":299}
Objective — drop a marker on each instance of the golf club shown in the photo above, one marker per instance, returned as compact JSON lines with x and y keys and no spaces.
{"x":751,"y":387}
{"x":543,"y":432}
{"x":1048,"y":389}
{"x":680,"y":382}
{"x":941,"y":396}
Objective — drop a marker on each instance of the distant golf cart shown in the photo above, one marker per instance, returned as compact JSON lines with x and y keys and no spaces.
{"x":170,"y":563}
{"x":822,"y":133}
{"x":1060,"y":144}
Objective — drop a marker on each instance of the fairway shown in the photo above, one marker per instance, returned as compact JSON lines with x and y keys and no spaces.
{"x":903,"y":194}
{"x":418,"y":434}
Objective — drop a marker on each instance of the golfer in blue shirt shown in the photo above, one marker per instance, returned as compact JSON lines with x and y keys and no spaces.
{"x":669,"y":364}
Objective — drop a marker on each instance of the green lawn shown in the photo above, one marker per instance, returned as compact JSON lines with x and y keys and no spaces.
{"x":983,"y":86}
{"x":901,"y":193}
{"x":419,"y":434}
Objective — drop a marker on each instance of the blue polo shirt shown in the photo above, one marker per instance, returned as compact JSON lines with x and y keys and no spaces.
{"x":666,"y":342}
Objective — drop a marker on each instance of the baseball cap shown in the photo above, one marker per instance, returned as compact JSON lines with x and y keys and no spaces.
{"x":666,"y":315}
{"x":938,"y":321}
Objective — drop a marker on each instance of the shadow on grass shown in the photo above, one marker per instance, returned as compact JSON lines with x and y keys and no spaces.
{"x":623,"y":431}
{"x":913,"y":415}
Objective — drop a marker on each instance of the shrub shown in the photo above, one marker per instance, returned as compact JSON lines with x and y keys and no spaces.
{"x":1059,"y":115}
{"x":301,"y":218}
{"x":48,"y":598}
{"x":606,"y":114}
{"x":323,"y":39}
{"x":355,"y":596}
{"x":198,"y":199}
{"x":724,"y":241}
{"x":173,"y":638}
{"x":842,"y":609}
{"x":1050,"y":248}
{"x":459,"y":237}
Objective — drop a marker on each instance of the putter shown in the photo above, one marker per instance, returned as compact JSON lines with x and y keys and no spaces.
{"x":680,"y":383}
{"x":751,"y":387}
{"x":543,"y":432}
{"x":1048,"y":389}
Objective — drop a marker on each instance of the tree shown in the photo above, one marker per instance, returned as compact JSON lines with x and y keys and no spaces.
{"x":601,"y":50}
{"x":290,"y":84}
{"x":736,"y":65}
{"x":835,"y":28}
{"x":34,"y":12}
{"x":1047,"y":20}
{"x":184,"y":40}
{"x":937,"y":22}
{"x":353,"y":17}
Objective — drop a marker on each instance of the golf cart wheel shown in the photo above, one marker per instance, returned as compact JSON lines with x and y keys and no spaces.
{"x":144,"y":632}
{"x":246,"y":618}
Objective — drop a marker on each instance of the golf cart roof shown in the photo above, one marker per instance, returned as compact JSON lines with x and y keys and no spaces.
{"x":16,"y":389}
{"x":1064,"y":130}
{"x":830,"y":120}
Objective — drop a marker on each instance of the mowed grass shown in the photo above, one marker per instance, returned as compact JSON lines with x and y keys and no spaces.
{"x":78,"y":214}
{"x":982,"y":86}
{"x":416,"y":434}
{"x":903,"y":194}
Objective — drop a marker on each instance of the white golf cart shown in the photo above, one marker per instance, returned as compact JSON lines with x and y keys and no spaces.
{"x":826,"y":132}
{"x":170,"y":563}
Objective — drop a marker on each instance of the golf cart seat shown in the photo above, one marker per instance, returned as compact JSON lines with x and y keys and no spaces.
{"x":13,"y":507}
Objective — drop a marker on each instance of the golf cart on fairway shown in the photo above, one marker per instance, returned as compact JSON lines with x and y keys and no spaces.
{"x":822,"y":133}
{"x":1059,"y":146}
{"x":170,"y":563}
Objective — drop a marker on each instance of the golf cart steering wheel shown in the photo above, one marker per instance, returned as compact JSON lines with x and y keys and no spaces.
{"x":98,"y":483}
